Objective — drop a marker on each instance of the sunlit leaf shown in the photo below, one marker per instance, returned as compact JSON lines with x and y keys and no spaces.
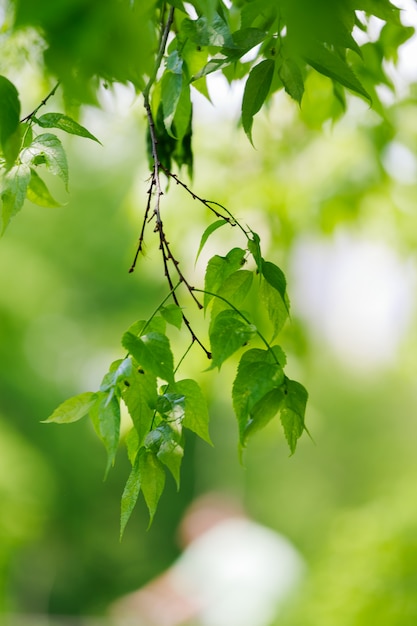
{"x":228,"y":333}
{"x":218,"y":269}
{"x":196,"y":416}
{"x":152,"y":479}
{"x":140,"y":397}
{"x":14,"y":185}
{"x":47,"y":149}
{"x":130,"y":495}
{"x":63,"y":122}
{"x":172,"y":313}
{"x":152,"y":351}
{"x":73,"y":409}
{"x":209,"y":230}
{"x":105,"y":415}
{"x":38,"y":192}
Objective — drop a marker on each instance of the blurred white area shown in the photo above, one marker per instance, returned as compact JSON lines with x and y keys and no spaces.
{"x":232,"y":572}
{"x":356,"y":294}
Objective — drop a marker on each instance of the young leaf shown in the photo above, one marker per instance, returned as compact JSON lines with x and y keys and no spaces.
{"x":333,"y":66}
{"x":255,"y":93}
{"x":234,"y":289}
{"x":140,"y":397}
{"x":152,"y":352}
{"x":130,"y":495}
{"x":14,"y":186}
{"x":228,"y":333}
{"x":105,"y":415}
{"x":38,"y":192}
{"x":155,"y":325}
{"x":47,"y":149}
{"x":257,"y":375}
{"x":196,"y":416}
{"x":293,"y":411}
{"x":263,"y":412}
{"x":63,"y":122}
{"x":218,"y":269}
{"x":209,"y":230}
{"x":119,"y":371}
{"x":172,"y":314}
{"x":73,"y":409}
{"x":165,"y":443}
{"x":273,"y":293}
{"x":171,"y":92}
{"x":152,"y":478}
{"x":254,"y":248}
{"x":292,"y":78}
{"x":9,"y":116}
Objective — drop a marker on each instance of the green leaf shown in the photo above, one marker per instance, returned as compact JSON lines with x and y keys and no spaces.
{"x":209,"y":230}
{"x":130,"y":495}
{"x":254,"y":247}
{"x":63,"y":122}
{"x":119,"y":372}
{"x":196,"y":416}
{"x":47,"y":149}
{"x":228,"y":333}
{"x":14,"y":185}
{"x":293,"y":412}
{"x":155,"y":325}
{"x":38,"y":192}
{"x":165,"y":443}
{"x":152,"y":351}
{"x":292,"y":78}
{"x":255,"y":93}
{"x":170,"y":91}
{"x":273,"y":294}
{"x":172,"y":314}
{"x":140,"y":397}
{"x":263,"y":412}
{"x":152,"y":478}
{"x":9,"y":118}
{"x":333,"y":66}
{"x":183,"y":111}
{"x":218,"y":269}
{"x":257,"y":375}
{"x":73,"y":409}
{"x":105,"y":415}
{"x":171,"y":405}
{"x":234,"y":289}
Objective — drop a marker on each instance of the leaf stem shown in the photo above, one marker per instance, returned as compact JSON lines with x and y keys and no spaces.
{"x":44,"y":101}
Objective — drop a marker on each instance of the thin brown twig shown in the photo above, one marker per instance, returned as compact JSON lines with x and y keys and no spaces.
{"x":44,"y":101}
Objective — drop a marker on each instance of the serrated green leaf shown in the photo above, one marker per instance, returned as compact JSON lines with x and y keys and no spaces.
{"x":131,"y":441}
{"x":172,"y":314}
{"x":196,"y":417}
{"x":152,"y":351}
{"x":152,"y":478}
{"x":257,"y":375}
{"x":209,"y":230}
{"x":218,"y":269}
{"x":263,"y":412}
{"x":47,"y":149}
{"x":73,"y":409}
{"x":9,"y":118}
{"x":63,"y":122}
{"x":228,"y":333}
{"x":130,"y":495}
{"x":119,"y":372}
{"x":164,"y":442}
{"x":105,"y":415}
{"x":234,"y":289}
{"x":293,"y":412}
{"x":14,"y":185}
{"x":38,"y":192}
{"x":255,"y":93}
{"x":171,"y":405}
{"x":140,"y":397}
{"x":333,"y":66}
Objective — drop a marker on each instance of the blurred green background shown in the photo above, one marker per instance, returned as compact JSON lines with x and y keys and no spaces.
{"x":336,"y":207}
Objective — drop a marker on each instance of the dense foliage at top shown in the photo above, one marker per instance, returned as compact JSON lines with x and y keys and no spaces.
{"x":166,"y":49}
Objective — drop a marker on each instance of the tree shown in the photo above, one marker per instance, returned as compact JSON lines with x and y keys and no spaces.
{"x":166,"y":50}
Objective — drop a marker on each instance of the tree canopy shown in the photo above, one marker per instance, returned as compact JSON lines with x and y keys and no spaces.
{"x":166,"y":50}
